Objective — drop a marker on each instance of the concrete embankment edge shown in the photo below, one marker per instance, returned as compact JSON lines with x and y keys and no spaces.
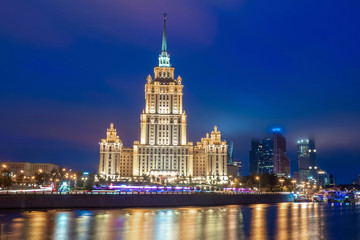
{"x":44,"y":201}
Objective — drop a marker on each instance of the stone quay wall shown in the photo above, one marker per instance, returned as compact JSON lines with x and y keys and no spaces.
{"x":44,"y":201}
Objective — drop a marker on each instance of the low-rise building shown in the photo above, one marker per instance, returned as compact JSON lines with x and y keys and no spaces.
{"x":28,"y":169}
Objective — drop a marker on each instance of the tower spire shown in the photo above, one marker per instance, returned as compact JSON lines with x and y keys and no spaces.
{"x":164,"y":58}
{"x":164,"y":44}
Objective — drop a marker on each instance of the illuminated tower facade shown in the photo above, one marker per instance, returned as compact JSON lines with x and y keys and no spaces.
{"x":210,"y":158}
{"x":110,"y":149}
{"x":163,"y":151}
{"x":163,"y":148}
{"x":116,"y":161}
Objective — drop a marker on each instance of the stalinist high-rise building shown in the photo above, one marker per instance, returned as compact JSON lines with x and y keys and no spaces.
{"x":163,"y":149}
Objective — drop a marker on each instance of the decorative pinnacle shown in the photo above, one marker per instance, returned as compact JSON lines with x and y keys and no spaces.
{"x":164,"y":58}
{"x":164,"y":44}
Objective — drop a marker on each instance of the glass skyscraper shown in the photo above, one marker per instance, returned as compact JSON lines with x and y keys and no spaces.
{"x":269,"y":155}
{"x":306,"y":156}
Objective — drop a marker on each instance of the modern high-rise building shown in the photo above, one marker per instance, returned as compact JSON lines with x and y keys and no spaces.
{"x":230,"y":152}
{"x":306,"y":156}
{"x":163,"y":149}
{"x":322,"y":178}
{"x":269,"y":155}
{"x":266,"y":152}
{"x":238,"y":164}
{"x":254,"y":156}
{"x":280,"y":159}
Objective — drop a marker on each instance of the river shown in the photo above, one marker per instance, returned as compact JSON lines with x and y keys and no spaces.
{"x":256,"y":221}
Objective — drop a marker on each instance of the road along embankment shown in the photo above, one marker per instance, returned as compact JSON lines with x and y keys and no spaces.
{"x":38,"y":201}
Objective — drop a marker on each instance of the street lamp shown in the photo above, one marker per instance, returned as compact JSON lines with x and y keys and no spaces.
{"x":281,"y":181}
{"x":2,"y":175}
{"x":293,"y":182}
{"x":258,"y":179}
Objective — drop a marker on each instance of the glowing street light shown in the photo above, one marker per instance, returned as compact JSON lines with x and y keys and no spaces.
{"x":281,"y":181}
{"x":258,"y":179}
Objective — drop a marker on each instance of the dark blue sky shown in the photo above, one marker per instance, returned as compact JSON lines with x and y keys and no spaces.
{"x":68,"y":69}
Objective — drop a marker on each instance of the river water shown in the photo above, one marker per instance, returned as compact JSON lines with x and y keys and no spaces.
{"x":257,"y":221}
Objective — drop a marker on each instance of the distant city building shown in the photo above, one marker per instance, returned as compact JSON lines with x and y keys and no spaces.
{"x":357,"y":181}
{"x":45,"y":167}
{"x":29,"y":169}
{"x":254,"y":156}
{"x":323,"y":178}
{"x":232,"y":171}
{"x":163,"y":150}
{"x":230,"y":150}
{"x":280,"y":158}
{"x":269,"y":155}
{"x":306,"y":156}
{"x":238,"y":164}
{"x":266,"y":153}
{"x":332,"y":180}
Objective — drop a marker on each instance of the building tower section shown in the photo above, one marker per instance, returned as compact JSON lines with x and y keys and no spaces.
{"x":280,"y":159}
{"x":110,"y":149}
{"x":163,"y":148}
{"x":306,"y":156}
{"x":210,"y":158}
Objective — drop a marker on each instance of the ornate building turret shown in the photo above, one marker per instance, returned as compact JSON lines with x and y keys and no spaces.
{"x":210,"y":158}
{"x":110,"y":149}
{"x":116,"y":161}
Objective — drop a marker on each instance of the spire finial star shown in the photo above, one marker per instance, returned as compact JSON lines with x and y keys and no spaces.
{"x":164,"y":58}
{"x":164,"y":43}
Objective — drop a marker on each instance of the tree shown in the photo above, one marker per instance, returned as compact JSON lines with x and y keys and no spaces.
{"x":89,"y":183}
{"x":5,"y":178}
{"x":40,"y":178}
{"x":236,"y":182}
{"x":20,"y":178}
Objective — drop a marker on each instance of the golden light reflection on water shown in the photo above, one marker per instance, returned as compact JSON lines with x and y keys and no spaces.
{"x":258,"y":224}
{"x":258,"y":221}
{"x":282,"y":221}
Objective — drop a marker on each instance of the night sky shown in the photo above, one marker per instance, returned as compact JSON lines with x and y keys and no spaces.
{"x":69,"y":68}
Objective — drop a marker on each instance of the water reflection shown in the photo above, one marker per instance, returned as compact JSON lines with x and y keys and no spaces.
{"x":259,"y":221}
{"x":258,"y":224}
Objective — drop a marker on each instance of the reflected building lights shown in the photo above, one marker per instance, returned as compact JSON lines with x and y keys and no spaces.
{"x":36,"y":225}
{"x":62,"y":230}
{"x":283,"y":221}
{"x":258,"y":223}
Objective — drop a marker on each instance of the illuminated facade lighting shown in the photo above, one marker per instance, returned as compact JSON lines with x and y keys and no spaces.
{"x":163,"y":149}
